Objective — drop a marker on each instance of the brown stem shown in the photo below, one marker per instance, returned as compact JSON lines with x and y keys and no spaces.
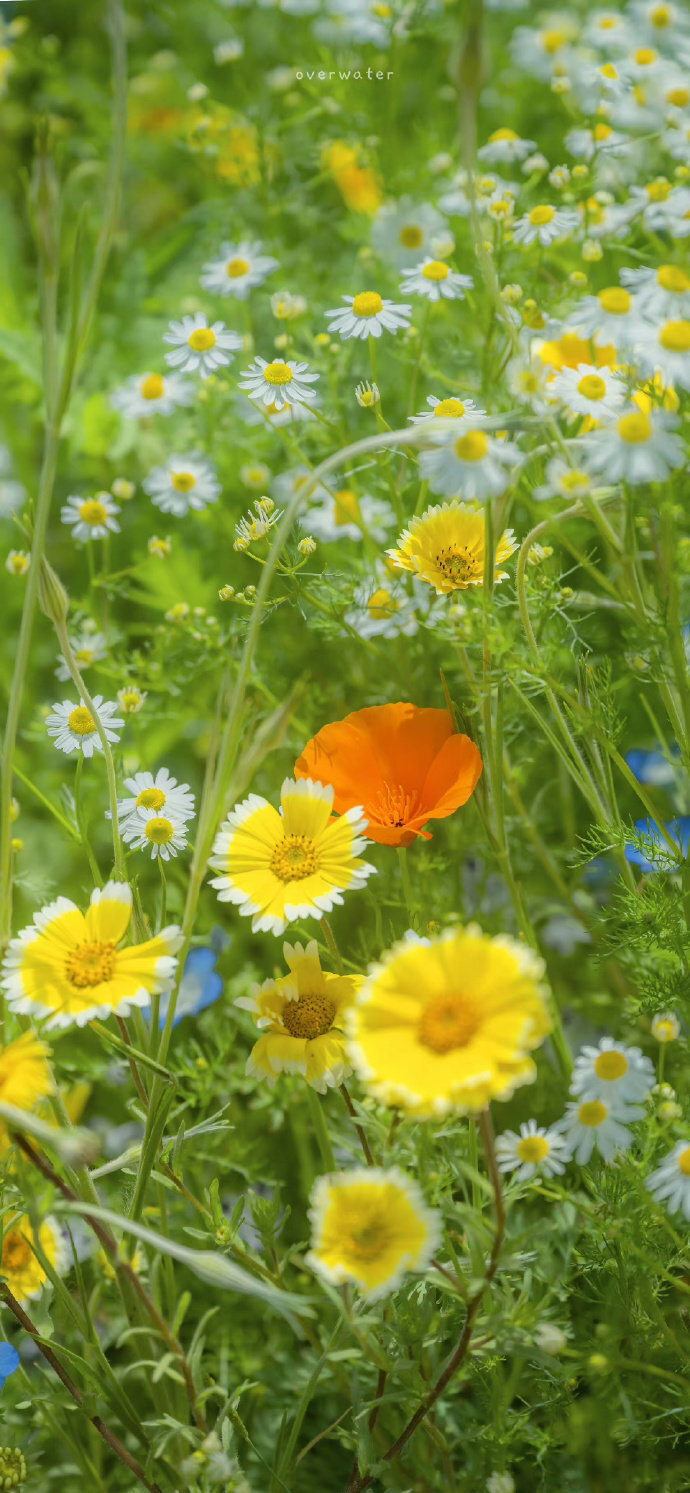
{"x":362,"y":1137}
{"x":138,"y":1081}
{"x":109,"y":1436}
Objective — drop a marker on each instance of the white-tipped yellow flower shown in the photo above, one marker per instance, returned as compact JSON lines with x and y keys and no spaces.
{"x":301,"y":1015}
{"x":20,"y":1268}
{"x":371,"y":1226}
{"x":446,"y":547}
{"x":24,"y":1077}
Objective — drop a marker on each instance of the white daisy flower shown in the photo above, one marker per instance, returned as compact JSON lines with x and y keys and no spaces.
{"x":198,"y":347}
{"x":150,"y":829}
{"x":255,"y":526}
{"x":88,"y":648}
{"x":504,"y":148}
{"x":665,"y":209}
{"x":590,"y":1124}
{"x":402,"y":231}
{"x":587,"y":390}
{"x":73,"y":727}
{"x":665,"y":1027}
{"x":542,"y":54}
{"x":435,"y":280}
{"x":665,"y":349}
{"x":602,"y":141}
{"x":17,"y":562}
{"x":475,"y":464}
{"x":345,"y":514}
{"x":91,"y":518}
{"x":536,"y":1150}
{"x":382,"y":607}
{"x":465,"y":411}
{"x":637,"y":448}
{"x":608,"y":30}
{"x":677,"y":141}
{"x":612,"y":1072}
{"x":237,"y":270}
{"x":152,"y":394}
{"x":642,"y":65}
{"x":161,"y":793}
{"x":278,"y":384}
{"x":545,"y":224}
{"x":131,"y":699}
{"x":670,"y":1183}
{"x":662,"y":292}
{"x":367,"y":315}
{"x":563,"y":481}
{"x":183,"y":482}
{"x":529,"y":379}
{"x":610,"y":316}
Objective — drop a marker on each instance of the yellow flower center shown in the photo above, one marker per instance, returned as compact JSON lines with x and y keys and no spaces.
{"x":552,"y":41}
{"x":679,"y":97}
{"x":367,"y":303}
{"x":471,"y":447}
{"x":611,"y":1065}
{"x":436,"y":270}
{"x":346,"y":507}
{"x":530,"y":382}
{"x":533,"y":1148}
{"x":394,"y":805}
{"x":382,"y":604}
{"x":183,"y":481}
{"x":202,"y":339}
{"x":151,"y":798}
{"x":592,"y":1114}
{"x":644,"y":56}
{"x":449,"y":1021}
{"x":366,"y":1240}
{"x":460,"y":565}
{"x":615,"y":300}
{"x":454,"y":408}
{"x":81,"y":721}
{"x":657,"y":191}
{"x":676,"y":336}
{"x":236,"y":268}
{"x":294,"y":858}
{"x":153,"y":387}
{"x":93,"y":512}
{"x":601,"y":131}
{"x":90,"y":964}
{"x":84,"y":655}
{"x":278,"y":373}
{"x":16,"y":1253}
{"x":608,"y":70}
{"x":542,"y":214}
{"x":664,"y":1031}
{"x":672,"y":277}
{"x":502,"y":134}
{"x":591,"y":386}
{"x":410,"y":237}
{"x":309,"y":1016}
{"x":130,"y":700}
{"x":684,"y":1162}
{"x":661,"y":17}
{"x":160,"y":831}
{"x":635,"y":429}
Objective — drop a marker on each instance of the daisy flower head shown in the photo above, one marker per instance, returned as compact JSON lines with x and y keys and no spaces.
{"x":465,"y":411}
{"x":586,"y":390}
{"x":402,"y":231}
{"x":20,"y":1266}
{"x":381,"y":607}
{"x":446,"y":547}
{"x":544,"y":225}
{"x":152,"y":394}
{"x":198,"y":347}
{"x":473,"y":463}
{"x":609,"y":316}
{"x":535,"y":1151}
{"x":601,"y":141}
{"x":17,"y":562}
{"x":371,"y":1226}
{"x":161,"y":793}
{"x":74,"y":729}
{"x":68,"y":968}
{"x":301,"y":1019}
{"x":149,"y":829}
{"x":131,"y":699}
{"x":665,"y":1027}
{"x":183,"y":482}
{"x":435,"y":279}
{"x":88,"y":648}
{"x":543,"y":53}
{"x":278,"y":384}
{"x":345,"y":514}
{"x":613,"y":1073}
{"x":635,"y":448}
{"x":529,"y":379}
{"x":670,"y":1183}
{"x":256,"y":525}
{"x":663,"y":292}
{"x":237,"y":269}
{"x":367,"y":314}
{"x":91,"y":518}
{"x":592,"y":1124}
{"x":505,"y":148}
{"x":278,"y":867}
{"x":665,"y":349}
{"x":563,"y":481}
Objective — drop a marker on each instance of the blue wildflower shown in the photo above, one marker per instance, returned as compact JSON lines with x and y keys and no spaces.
{"x":9,"y":1361}
{"x":654,"y":854}
{"x":200,"y":985}
{"x":651,"y":767}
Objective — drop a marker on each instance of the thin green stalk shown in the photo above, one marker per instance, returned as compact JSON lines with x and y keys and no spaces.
{"x":60,"y":626}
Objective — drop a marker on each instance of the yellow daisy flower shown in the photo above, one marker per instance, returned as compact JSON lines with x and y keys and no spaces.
{"x":448,"y":1023}
{"x":19,"y":1268}
{"x":24,"y":1077}
{"x":296,"y":864}
{"x":302,"y":1012}
{"x":67,"y":965}
{"x":446,"y":547}
{"x":370,"y":1226}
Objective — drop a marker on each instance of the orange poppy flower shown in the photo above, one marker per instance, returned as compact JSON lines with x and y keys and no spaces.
{"x":405,"y":766}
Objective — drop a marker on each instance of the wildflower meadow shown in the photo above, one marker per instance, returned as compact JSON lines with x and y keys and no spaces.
{"x":345,"y":780}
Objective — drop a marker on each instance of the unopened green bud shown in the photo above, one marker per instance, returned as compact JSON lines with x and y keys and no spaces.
{"x":52,"y":596}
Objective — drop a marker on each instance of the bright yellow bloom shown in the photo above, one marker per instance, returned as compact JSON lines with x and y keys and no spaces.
{"x":360,"y":187}
{"x":24,"y":1077}
{"x":303,"y":1014}
{"x":280,"y":868}
{"x":445,"y":546}
{"x":370,"y":1226}
{"x":67,"y":965}
{"x":20,"y":1269}
{"x":448,"y":1023}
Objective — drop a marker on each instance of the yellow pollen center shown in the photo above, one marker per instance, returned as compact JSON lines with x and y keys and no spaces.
{"x":679,"y":97}
{"x":236,"y":268}
{"x":394,"y":806}
{"x":436,"y":270}
{"x":278,"y":373}
{"x":346,"y":507}
{"x":572,"y":480}
{"x":503,"y":134}
{"x":460,"y":565}
{"x":552,"y":41}
{"x":151,"y":798}
{"x":410,"y":237}
{"x":684,"y":1162}
{"x":366,"y":1240}
{"x":471,"y":447}
{"x":611,"y":1066}
{"x":676,"y":336}
{"x":294,"y":858}
{"x":592,"y":1114}
{"x":454,"y":408}
{"x":542,"y":214}
{"x":635,"y":429}
{"x":615,"y":301}
{"x":309,"y":1016}
{"x":591,"y":386}
{"x":160,"y":831}
{"x":644,"y":56}
{"x":533,"y":1149}
{"x":16,"y":1253}
{"x":183,"y":481}
{"x":448,"y":1022}
{"x":90,"y":964}
{"x":661,"y":17}
{"x":382,"y":605}
{"x":672,"y":277}
{"x":601,"y":131}
{"x":608,"y":70}
{"x":81,"y":721}
{"x":93,"y":512}
{"x":657,"y":191}
{"x":153,"y":387}
{"x":367,"y":303}
{"x":202,"y":339}
{"x":84,"y":655}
